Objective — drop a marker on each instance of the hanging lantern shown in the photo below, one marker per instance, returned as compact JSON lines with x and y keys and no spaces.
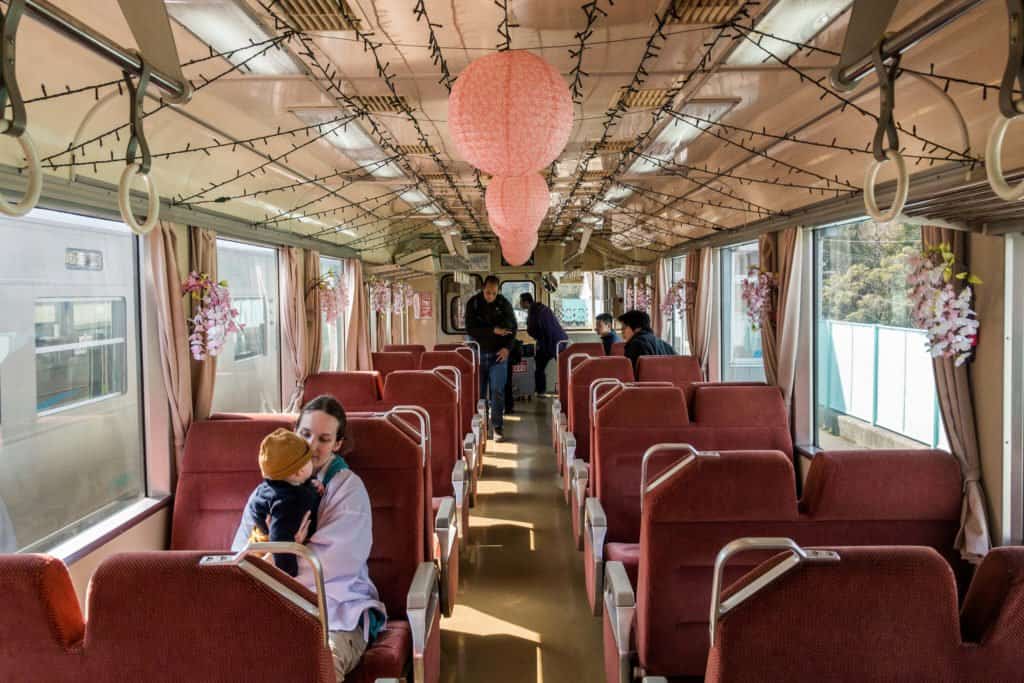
{"x":518,"y":203}
{"x":510,"y":113}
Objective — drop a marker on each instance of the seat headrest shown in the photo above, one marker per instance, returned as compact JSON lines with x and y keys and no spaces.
{"x":356,"y":389}
{"x":40,"y":604}
{"x":387,"y":361}
{"x":676,"y":369}
{"x":418,"y":387}
{"x":433,"y":359}
{"x":637,"y":407}
{"x":612,"y":367}
{"x":228,"y":445}
{"x":415,"y":348}
{"x":883,"y":485}
{"x":738,"y":406}
{"x":591,"y":348}
{"x":731,"y":487}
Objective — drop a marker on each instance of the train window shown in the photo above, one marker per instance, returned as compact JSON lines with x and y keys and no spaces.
{"x":574,"y":301}
{"x":332,"y":335}
{"x":71,"y":438}
{"x":455,"y":295}
{"x":80,"y":352}
{"x":874,"y":385}
{"x":741,"y":344}
{"x":511,"y":289}
{"x":248,"y":369}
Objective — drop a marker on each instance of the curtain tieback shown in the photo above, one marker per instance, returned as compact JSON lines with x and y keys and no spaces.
{"x":972,"y":475}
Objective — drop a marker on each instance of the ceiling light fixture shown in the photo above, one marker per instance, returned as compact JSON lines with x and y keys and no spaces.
{"x":353,"y":141}
{"x":675,"y":135}
{"x":795,"y":20}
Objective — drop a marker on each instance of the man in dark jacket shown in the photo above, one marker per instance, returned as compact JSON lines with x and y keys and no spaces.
{"x":640,"y":338}
{"x":606,"y":332}
{"x":542,"y":325}
{"x":491,"y":321}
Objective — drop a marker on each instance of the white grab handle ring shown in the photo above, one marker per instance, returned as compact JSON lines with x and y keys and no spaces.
{"x":124,"y":200}
{"x":994,"y":164}
{"x":902,"y":188}
{"x":35,"y":177}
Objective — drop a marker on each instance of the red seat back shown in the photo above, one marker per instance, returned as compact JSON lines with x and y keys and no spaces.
{"x":690,"y":388}
{"x":438,"y":397}
{"x":618,"y":349}
{"x":40,"y":622}
{"x":679,"y":370}
{"x":357,"y":391}
{"x":879,"y":614}
{"x":581,"y":375}
{"x":416,"y":350}
{"x":740,"y":417}
{"x":386,"y":362}
{"x":626,"y":425}
{"x":461,"y":359}
{"x":589,"y":348}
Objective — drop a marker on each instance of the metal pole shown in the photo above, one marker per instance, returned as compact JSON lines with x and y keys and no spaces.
{"x":62,"y":22}
{"x":846,"y":76}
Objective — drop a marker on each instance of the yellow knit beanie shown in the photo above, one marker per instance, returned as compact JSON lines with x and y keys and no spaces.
{"x":283,"y":453}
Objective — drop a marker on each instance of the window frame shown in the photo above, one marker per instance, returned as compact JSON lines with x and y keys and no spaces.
{"x":515,"y":304}
{"x":725,"y":317}
{"x":445,"y":280}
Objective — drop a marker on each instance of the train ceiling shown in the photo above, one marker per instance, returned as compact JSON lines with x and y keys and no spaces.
{"x":328,"y":119}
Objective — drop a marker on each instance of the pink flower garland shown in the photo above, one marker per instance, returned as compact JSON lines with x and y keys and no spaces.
{"x":947,"y":317}
{"x":333,"y":296}
{"x":215,"y":318}
{"x":380,"y":296}
{"x":756,"y":291}
{"x":675,"y":299}
{"x":642,"y":297}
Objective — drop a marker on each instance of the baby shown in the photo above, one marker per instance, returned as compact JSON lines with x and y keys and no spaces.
{"x":288,"y":493}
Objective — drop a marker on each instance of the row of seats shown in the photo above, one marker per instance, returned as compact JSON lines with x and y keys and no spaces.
{"x":696,"y":502}
{"x":214,"y":622}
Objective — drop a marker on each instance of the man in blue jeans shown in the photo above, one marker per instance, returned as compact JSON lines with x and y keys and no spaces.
{"x":491,"y":322}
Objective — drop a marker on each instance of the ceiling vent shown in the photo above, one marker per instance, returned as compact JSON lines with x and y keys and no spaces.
{"x":421,"y":150}
{"x":377,"y":104}
{"x":703,"y":12}
{"x":640,"y":100}
{"x":320,"y":15}
{"x":615,"y":146}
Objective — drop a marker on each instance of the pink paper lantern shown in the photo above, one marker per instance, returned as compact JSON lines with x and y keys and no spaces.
{"x":517,"y":202}
{"x":510,"y":113}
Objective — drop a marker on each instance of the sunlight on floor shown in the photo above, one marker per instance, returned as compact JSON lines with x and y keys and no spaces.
{"x":477,"y":522}
{"x":502,"y":447}
{"x":500,"y":463}
{"x":473,"y":622}
{"x":513,"y":418}
{"x":486,"y":487}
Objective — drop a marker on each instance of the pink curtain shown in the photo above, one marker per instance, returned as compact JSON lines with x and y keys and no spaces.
{"x":172,"y":333}
{"x":293,"y":328}
{"x":956,"y":402}
{"x":698,"y":316}
{"x":357,"y":347}
{"x":660,"y":278}
{"x":314,"y":316}
{"x":780,"y":254}
{"x":767,"y":248}
{"x":202,"y":259}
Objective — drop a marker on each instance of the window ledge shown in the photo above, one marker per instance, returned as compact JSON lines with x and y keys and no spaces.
{"x":808,"y":452}
{"x":74,"y":549}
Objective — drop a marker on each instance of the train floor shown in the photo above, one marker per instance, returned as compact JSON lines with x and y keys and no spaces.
{"x":522,"y":613}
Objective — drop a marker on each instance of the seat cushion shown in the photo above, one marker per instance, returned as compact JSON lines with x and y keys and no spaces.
{"x":626,"y":553}
{"x":387,"y":656}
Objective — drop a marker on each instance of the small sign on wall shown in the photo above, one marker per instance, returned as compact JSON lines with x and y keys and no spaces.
{"x":423,"y":305}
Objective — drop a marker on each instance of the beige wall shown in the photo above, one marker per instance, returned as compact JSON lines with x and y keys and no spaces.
{"x":987,"y":260}
{"x":425,"y":331}
{"x":149,"y":534}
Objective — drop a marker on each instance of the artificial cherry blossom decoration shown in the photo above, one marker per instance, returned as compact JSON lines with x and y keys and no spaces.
{"x":510,"y":113}
{"x":380,"y":296}
{"x":401,"y":296}
{"x":333,"y":296}
{"x":676,"y":298}
{"x":215,"y":318}
{"x":642,"y":297}
{"x":945,"y":315}
{"x":756,"y":291}
{"x":517,"y":204}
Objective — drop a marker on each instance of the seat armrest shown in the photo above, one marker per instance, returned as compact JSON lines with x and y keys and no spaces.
{"x":653,"y":679}
{"x":578,"y":483}
{"x":620,"y":606}
{"x":460,"y":485}
{"x":595,"y":529}
{"x":446,"y":528}
{"x":568,"y":450}
{"x":422,"y":603}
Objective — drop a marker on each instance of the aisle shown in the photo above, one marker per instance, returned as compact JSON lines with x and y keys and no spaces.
{"x":522,"y":614}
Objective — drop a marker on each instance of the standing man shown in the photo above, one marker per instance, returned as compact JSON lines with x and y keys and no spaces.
{"x":606,"y":332}
{"x":542,"y":325}
{"x":491,"y":322}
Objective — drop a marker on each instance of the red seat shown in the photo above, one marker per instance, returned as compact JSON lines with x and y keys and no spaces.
{"x":581,"y":376}
{"x":462,"y":361}
{"x":416,"y":350}
{"x":356,"y":390}
{"x":865,"y":498}
{"x":876,"y":614}
{"x":589,"y":348}
{"x":386,"y":362}
{"x":681,"y":371}
{"x":618,"y":349}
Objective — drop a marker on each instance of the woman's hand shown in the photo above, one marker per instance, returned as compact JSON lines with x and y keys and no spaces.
{"x":300,"y":535}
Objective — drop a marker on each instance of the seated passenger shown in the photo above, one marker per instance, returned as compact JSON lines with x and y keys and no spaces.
{"x":606,"y":332}
{"x":640,"y":338}
{"x":355,"y":614}
{"x":284,"y":505}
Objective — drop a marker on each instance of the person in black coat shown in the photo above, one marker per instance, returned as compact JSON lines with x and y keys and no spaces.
{"x":491,"y":321}
{"x":543,"y":326}
{"x":606,"y":332}
{"x":640,"y":338}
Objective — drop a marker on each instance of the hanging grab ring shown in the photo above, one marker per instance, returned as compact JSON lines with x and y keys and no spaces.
{"x":902,"y":188}
{"x":1010,"y":108}
{"x":137,"y":141}
{"x":15,"y":127}
{"x":886,"y":143}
